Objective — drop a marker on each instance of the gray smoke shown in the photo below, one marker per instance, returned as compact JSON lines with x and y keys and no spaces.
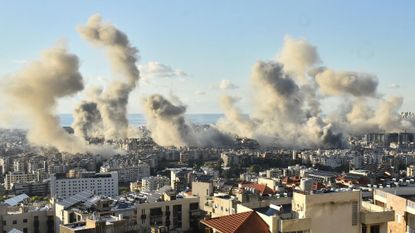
{"x":334,"y":83}
{"x":279,"y":116}
{"x":235,"y":122}
{"x":287,"y":95}
{"x":112,"y":102}
{"x":33,"y":93}
{"x":168,"y":126}
{"x":87,"y":120}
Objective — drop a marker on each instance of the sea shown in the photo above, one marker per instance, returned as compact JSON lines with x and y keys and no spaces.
{"x":139,"y":119}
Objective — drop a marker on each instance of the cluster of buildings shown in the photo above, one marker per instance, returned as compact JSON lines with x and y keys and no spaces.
{"x":366,"y":188}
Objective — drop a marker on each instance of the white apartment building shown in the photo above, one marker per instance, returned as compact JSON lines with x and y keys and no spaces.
{"x":153,"y":183}
{"x":100,"y":183}
{"x":129,"y":174}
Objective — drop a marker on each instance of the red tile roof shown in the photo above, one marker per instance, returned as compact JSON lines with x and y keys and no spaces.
{"x":261,"y":188}
{"x":238,"y":223}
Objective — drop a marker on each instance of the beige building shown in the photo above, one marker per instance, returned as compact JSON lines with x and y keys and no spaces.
{"x":339,"y":212}
{"x":402,"y":201}
{"x":20,"y":177}
{"x":180,"y":214}
{"x":153,"y":183}
{"x":113,"y":224}
{"x":204,"y":190}
{"x":223,"y":204}
{"x":410,"y":170}
{"x":27,"y":218}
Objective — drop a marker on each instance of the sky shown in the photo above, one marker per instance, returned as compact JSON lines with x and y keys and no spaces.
{"x":196,"y":45}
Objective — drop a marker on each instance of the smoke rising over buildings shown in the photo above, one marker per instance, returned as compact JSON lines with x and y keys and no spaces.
{"x":168,"y":126}
{"x":287,"y":95}
{"x":33,"y":93}
{"x":112,"y":102}
{"x":87,"y":120}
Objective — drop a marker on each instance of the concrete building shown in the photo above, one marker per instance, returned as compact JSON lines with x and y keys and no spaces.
{"x":32,"y":188}
{"x":179,"y":178}
{"x":153,"y":183}
{"x":229,"y":159}
{"x":340,"y":212}
{"x":115,"y":224}
{"x":129,"y":174}
{"x":100,"y":183}
{"x":20,"y":177}
{"x":141,"y":212}
{"x":402,"y":201}
{"x":27,"y":218}
{"x":410,"y":171}
{"x":204,"y":190}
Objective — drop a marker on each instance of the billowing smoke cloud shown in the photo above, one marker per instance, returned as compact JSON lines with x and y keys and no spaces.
{"x":112,"y":102}
{"x":298,"y":56}
{"x":287,"y":97}
{"x":168,"y":125}
{"x":235,"y":121}
{"x":87,"y":120}
{"x":278,"y":116}
{"x":334,"y":83}
{"x":33,"y":93}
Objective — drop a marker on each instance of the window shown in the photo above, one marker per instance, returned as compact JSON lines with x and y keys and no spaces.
{"x":14,"y":222}
{"x":4,"y":223}
{"x":25,"y":220}
{"x":25,"y":230}
{"x":374,"y":229}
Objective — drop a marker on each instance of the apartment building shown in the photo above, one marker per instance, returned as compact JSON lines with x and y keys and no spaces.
{"x":16,"y":213}
{"x":21,"y":177}
{"x":402,"y":201}
{"x":100,"y":183}
{"x":128,"y":174}
{"x":141,"y":212}
{"x":153,"y":183}
{"x":340,"y":212}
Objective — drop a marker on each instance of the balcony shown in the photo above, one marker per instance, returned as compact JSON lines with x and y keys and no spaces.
{"x":373,"y":214}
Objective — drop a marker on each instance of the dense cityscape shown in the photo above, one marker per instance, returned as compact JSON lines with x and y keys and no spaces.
{"x":309,"y":149}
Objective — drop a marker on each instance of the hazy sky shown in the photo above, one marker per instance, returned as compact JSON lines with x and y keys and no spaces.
{"x":196,"y":44}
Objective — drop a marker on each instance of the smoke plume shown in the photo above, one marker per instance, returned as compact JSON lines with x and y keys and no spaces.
{"x":112,"y":102}
{"x":334,"y":83}
{"x":298,"y":56}
{"x":87,"y":120}
{"x":33,"y":93}
{"x":167,"y":124}
{"x":287,"y":95}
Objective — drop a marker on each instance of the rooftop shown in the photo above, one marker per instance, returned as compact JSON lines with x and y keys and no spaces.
{"x":238,"y":223}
